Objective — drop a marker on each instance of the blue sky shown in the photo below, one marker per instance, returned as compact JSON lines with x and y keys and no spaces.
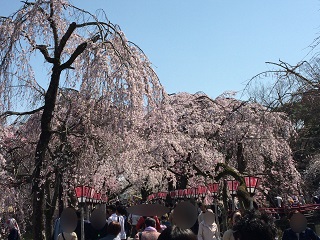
{"x":211,"y":45}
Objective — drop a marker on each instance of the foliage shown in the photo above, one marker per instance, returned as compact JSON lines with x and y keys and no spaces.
{"x":82,"y":52}
{"x":312,"y":175}
{"x":295,"y":91}
{"x":203,"y":132}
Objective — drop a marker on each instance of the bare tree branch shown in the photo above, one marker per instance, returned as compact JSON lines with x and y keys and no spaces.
{"x":74,"y":55}
{"x":66,"y":36}
{"x":43,"y":49}
{"x":11,"y":113}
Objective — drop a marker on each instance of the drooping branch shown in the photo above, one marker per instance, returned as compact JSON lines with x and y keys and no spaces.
{"x":109,"y":25}
{"x":97,"y":24}
{"x":11,"y":113}
{"x":224,"y":120}
{"x":52,"y":24}
{"x":292,"y":70}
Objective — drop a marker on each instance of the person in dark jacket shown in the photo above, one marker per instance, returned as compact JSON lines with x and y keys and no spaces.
{"x":14,"y":232}
{"x":299,"y":229}
{"x":307,"y":234}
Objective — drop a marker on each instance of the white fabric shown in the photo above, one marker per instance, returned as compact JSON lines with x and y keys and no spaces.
{"x":208,"y":232}
{"x":115,"y":218}
{"x":228,"y":235}
{"x":134,"y":219}
{"x":200,"y":217}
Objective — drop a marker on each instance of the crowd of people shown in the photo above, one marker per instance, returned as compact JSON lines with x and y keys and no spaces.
{"x":121,"y":225}
{"x":117,"y":224}
{"x":294,"y":200}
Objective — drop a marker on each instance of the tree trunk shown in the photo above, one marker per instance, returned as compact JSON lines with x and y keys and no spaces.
{"x":51,"y":203}
{"x":38,"y":214}
{"x":47,"y":213}
{"x":60,"y":194}
{"x":144,"y":194}
{"x":242,"y":165}
{"x":224,"y":220}
{"x":170,"y":184}
{"x":38,"y":188}
{"x":182,"y":182}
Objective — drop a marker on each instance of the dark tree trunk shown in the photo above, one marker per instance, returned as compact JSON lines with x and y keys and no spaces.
{"x":60,"y":194}
{"x":170,"y":185}
{"x":242,"y":165}
{"x":224,"y":221}
{"x":144,"y":193}
{"x":51,"y":203}
{"x":47,"y":213}
{"x":46,"y":118}
{"x":182,"y":182}
{"x":45,"y":136}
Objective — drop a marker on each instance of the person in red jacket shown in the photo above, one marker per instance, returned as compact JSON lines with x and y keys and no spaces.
{"x":141,"y":226}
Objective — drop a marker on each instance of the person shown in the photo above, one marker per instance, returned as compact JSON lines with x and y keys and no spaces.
{"x":56,"y":229}
{"x":203,"y":209}
{"x":141,"y":223}
{"x":14,"y":231}
{"x":302,"y":200}
{"x":113,"y":230}
{"x":255,"y":226}
{"x":290,"y":201}
{"x":122,"y":212}
{"x":279,"y":201}
{"x":116,"y":217}
{"x":208,"y":229}
{"x":234,"y":218}
{"x":150,"y":232}
{"x":164,"y":222}
{"x":133,"y":220}
{"x":298,"y":228}
{"x":295,"y":201}
{"x":316,"y":200}
{"x":176,"y":233}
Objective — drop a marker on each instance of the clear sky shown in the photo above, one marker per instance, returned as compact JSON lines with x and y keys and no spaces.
{"x":210,"y":45}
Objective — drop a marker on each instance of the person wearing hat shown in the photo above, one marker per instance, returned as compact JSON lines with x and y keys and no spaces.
{"x":208,"y":229}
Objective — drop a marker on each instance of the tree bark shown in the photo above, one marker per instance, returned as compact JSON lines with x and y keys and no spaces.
{"x":242,"y":165}
{"x":48,"y":216}
{"x":45,"y":136}
{"x":182,"y":182}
